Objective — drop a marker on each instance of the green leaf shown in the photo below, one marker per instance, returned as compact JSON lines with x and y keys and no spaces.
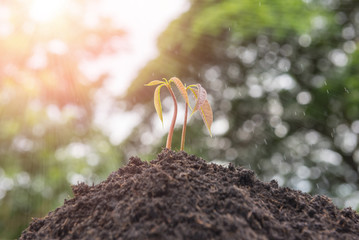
{"x":181,"y":88}
{"x":207,"y":115}
{"x":194,"y":91}
{"x":205,"y":108}
{"x":157,"y":101}
{"x":154,"y":82}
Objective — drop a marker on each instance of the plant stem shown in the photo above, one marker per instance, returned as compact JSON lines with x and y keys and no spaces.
{"x":183,"y":139}
{"x":170,"y":132}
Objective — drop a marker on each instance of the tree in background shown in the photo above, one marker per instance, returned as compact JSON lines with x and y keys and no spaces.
{"x":47,"y":135}
{"x":283,"y":82}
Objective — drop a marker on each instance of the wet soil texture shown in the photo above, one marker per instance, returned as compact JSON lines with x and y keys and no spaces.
{"x":180,"y":196}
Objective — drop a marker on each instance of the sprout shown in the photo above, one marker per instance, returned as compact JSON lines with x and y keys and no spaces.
{"x":202,"y":105}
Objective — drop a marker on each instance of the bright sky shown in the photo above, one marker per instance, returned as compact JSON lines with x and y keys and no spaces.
{"x":143,"y":20}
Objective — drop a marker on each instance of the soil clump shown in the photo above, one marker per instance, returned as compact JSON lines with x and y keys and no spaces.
{"x":180,"y":196}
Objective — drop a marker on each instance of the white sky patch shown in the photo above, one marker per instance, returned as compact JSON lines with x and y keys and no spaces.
{"x":328,"y":156}
{"x":338,"y":57}
{"x":44,"y":10}
{"x":304,"y":97}
{"x":122,"y":125}
{"x":220,"y":126}
{"x":143,"y":22}
{"x":115,"y":124}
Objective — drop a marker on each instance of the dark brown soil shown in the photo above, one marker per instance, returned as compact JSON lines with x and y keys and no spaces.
{"x":179,"y":196}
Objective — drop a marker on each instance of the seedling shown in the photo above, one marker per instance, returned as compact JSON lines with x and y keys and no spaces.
{"x":202,"y":105}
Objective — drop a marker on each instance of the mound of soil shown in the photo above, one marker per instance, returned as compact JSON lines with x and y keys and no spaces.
{"x":180,"y":196}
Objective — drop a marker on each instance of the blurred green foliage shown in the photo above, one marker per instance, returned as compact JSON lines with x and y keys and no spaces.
{"x":48,"y":139}
{"x":282,"y":77}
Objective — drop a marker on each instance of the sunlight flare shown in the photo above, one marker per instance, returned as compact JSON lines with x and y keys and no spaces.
{"x":44,"y":11}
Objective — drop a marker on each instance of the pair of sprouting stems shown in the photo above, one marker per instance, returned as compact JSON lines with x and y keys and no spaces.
{"x":202,"y":105}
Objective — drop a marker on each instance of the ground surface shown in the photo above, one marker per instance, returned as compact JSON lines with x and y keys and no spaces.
{"x":179,"y":196}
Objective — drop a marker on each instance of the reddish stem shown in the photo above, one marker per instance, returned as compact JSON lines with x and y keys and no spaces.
{"x":183,"y":139}
{"x":170,"y":132}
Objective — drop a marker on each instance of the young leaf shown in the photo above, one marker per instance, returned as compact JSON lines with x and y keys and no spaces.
{"x":194,"y":91}
{"x":157,"y":101}
{"x":207,"y":115}
{"x":181,"y":88}
{"x":154,"y":82}
{"x":201,"y":98}
{"x":205,"y":110}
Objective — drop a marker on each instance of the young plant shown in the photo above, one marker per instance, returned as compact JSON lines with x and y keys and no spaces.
{"x":157,"y":101}
{"x":202,"y":105}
